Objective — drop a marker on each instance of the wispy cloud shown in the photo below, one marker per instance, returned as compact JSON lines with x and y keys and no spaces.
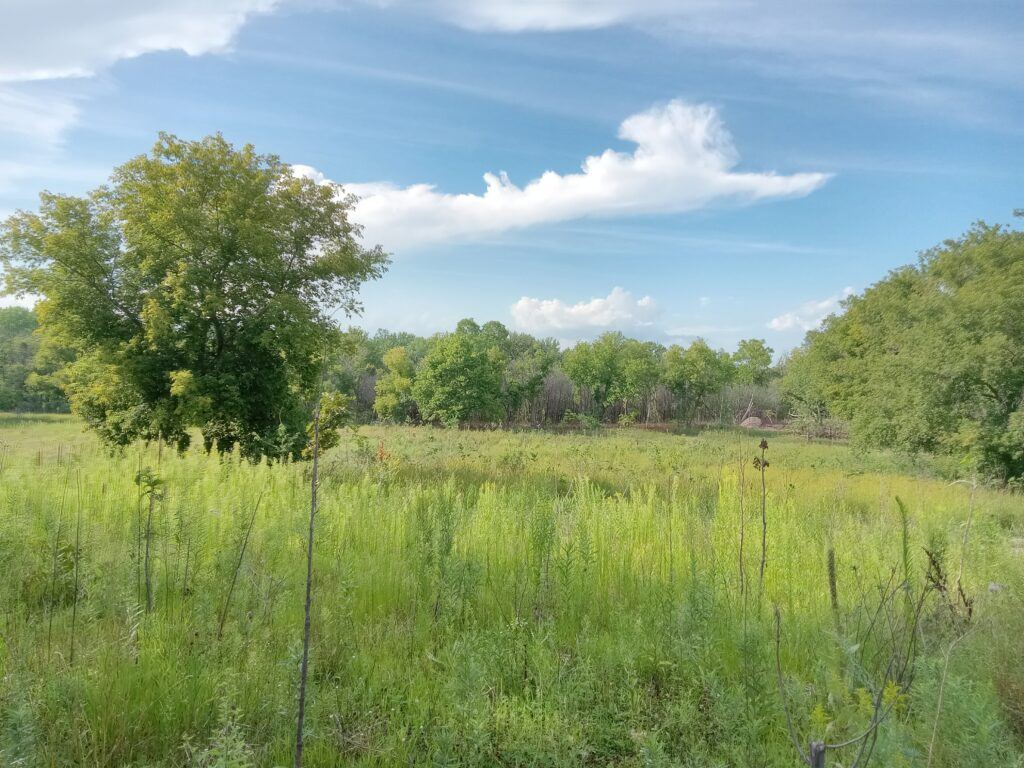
{"x":685,"y":160}
{"x":49,"y":50}
{"x":39,"y":41}
{"x":618,"y":310}
{"x":810,"y":314}
{"x":924,"y":58}
{"x":34,"y":116}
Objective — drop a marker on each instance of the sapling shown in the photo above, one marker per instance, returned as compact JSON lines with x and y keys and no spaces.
{"x":53,"y":578}
{"x":761,"y":464}
{"x":78,"y":554}
{"x":238,"y":567}
{"x":336,"y":407}
{"x":151,"y":486}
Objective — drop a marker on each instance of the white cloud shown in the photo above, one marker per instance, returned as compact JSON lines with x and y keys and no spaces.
{"x":811,"y":314}
{"x":619,"y":309}
{"x":46,"y":39}
{"x":43,"y":42}
{"x":19,"y":301}
{"x":684,"y":161}
{"x":926,"y":61}
{"x":894,"y":36}
{"x":38,"y":117}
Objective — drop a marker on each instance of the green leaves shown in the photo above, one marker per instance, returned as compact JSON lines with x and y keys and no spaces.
{"x":394,"y":400}
{"x":196,"y":291}
{"x":695,"y":373}
{"x":932,"y":357}
{"x":460,"y":380}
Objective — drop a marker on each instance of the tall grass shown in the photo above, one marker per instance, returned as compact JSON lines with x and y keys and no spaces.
{"x":489,"y":599}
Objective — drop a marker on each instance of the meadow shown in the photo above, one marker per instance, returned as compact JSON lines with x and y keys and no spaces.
{"x":501,"y":598}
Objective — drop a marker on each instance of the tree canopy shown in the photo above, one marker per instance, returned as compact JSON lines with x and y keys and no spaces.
{"x":459,"y":380}
{"x":931,"y":357}
{"x":195,"y":290}
{"x":695,"y":373}
{"x":753,"y":362}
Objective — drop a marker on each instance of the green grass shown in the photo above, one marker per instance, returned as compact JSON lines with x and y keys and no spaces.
{"x":491,"y":598}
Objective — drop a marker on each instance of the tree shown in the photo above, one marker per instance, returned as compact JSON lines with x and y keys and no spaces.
{"x":932,"y":357}
{"x":753,"y":362}
{"x":394,"y":400}
{"x":195,"y":290}
{"x":528,"y":361}
{"x":595,"y":367}
{"x":459,"y":381}
{"x":24,"y":364}
{"x":694,"y":374}
{"x":802,"y":385}
{"x":639,"y":372}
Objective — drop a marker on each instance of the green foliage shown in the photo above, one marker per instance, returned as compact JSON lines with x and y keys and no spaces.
{"x":460,"y":380}
{"x":394,"y":400}
{"x":803,"y":388}
{"x":194,"y":291}
{"x":932,"y":357}
{"x":752,"y":361}
{"x":639,"y":371}
{"x":25,"y":365}
{"x":694,"y":374}
{"x":597,"y":367}
{"x":592,"y":366}
{"x":334,"y":411}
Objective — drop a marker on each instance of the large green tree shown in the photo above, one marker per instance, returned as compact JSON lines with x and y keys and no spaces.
{"x":25,"y":362}
{"x":460,"y":379}
{"x":527,"y":362}
{"x":196,"y":290}
{"x":932,"y":357}
{"x":639,"y":372}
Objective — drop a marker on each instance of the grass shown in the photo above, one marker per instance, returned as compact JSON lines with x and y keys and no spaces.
{"x":494,"y":598}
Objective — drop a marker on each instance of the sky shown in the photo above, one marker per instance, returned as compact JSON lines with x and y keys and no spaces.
{"x":671,"y":170}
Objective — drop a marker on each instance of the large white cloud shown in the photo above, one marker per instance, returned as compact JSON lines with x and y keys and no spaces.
{"x":619,"y":309}
{"x":811,"y":314}
{"x":684,"y":160}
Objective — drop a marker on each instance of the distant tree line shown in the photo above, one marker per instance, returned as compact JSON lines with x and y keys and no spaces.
{"x":488,"y":374}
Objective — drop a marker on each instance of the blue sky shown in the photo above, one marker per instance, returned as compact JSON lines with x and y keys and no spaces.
{"x":749,"y":163}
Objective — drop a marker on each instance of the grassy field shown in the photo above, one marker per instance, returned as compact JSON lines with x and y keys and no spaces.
{"x":490,"y":598}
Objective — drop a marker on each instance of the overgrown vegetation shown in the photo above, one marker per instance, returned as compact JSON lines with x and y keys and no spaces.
{"x":500,"y":598}
{"x":930,"y":358}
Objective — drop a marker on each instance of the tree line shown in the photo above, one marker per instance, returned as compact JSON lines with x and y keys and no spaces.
{"x":488,"y":374}
{"x":198,"y":290}
{"x":481,"y":374}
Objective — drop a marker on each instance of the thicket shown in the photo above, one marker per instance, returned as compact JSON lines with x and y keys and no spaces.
{"x":929,"y":359}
